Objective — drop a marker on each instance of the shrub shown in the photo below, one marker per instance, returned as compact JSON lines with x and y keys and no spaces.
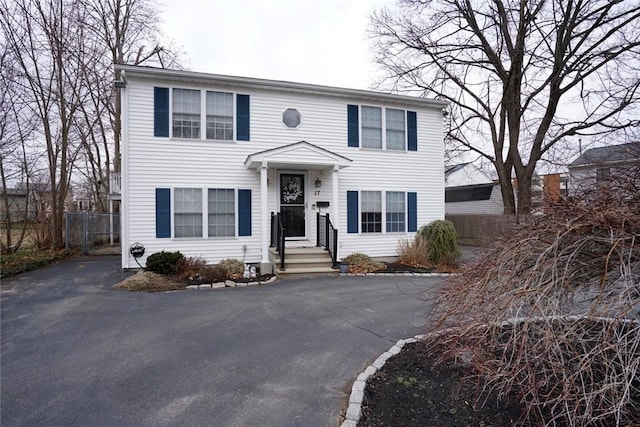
{"x":442,"y":240}
{"x":234,"y":267}
{"x":361,"y":263}
{"x":213,"y":273}
{"x":550,"y":315}
{"x":165,"y":262}
{"x":414,"y":252}
{"x":191,"y":267}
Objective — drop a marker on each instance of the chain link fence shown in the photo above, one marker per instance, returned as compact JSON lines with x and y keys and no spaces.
{"x":92,"y":232}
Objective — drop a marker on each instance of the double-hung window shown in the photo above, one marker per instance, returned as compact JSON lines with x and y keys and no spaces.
{"x":187,"y":212}
{"x":220,"y":115}
{"x":396,"y":212}
{"x":186,"y":113}
{"x":395,"y":129}
{"x":371,"y":127}
{"x":371,"y":220}
{"x":222,"y":208}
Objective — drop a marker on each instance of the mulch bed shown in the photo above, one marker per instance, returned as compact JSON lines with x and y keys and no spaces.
{"x":409,"y":391}
{"x":394,"y":267}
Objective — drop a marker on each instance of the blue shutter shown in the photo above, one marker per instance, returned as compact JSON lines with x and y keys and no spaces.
{"x":352,"y":211}
{"x":412,"y":131}
{"x":242,"y":117}
{"x":163,"y":213}
{"x":161,"y":111}
{"x":353,"y":134}
{"x":244,"y":213}
{"x":412,"y":210}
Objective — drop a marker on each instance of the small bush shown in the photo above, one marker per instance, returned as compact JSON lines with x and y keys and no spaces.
{"x":234,"y":267}
{"x":165,"y":262}
{"x":442,"y":240}
{"x":362,"y":263}
{"x":191,"y":267}
{"x":414,"y":253}
{"x":213,"y":273}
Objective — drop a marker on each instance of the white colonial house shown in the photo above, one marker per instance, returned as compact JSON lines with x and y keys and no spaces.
{"x":223,"y":167}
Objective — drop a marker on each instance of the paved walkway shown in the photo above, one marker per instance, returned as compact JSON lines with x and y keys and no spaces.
{"x":75,"y":352}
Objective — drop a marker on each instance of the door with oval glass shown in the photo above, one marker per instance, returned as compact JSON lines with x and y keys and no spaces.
{"x":293,"y":203}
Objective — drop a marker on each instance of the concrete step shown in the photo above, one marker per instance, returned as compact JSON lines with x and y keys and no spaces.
{"x":305,"y":262}
{"x":301,"y":251}
{"x":304,"y":272}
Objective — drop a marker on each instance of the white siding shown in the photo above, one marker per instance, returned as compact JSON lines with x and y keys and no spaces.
{"x":171,"y":163}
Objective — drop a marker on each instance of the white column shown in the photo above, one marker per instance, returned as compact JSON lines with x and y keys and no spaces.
{"x":264,"y":215}
{"x":334,"y":201}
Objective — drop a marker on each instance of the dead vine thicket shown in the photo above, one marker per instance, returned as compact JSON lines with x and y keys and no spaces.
{"x":551,"y":313}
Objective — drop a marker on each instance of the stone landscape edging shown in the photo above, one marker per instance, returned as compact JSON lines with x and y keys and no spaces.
{"x":354,"y":409}
{"x":229,"y":284}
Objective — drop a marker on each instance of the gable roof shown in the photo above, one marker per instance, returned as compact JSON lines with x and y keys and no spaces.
{"x":295,"y":155}
{"x":610,"y":154}
{"x":292,"y":87}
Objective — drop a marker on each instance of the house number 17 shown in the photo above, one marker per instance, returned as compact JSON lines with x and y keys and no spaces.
{"x":316,"y":193}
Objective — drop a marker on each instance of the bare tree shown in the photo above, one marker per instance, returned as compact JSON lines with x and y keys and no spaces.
{"x":521,"y":76}
{"x":119,"y":32}
{"x":44,"y":38}
{"x":15,"y":163}
{"x":128,"y":32}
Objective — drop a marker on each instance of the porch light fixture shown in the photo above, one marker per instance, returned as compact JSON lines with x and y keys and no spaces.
{"x":318,"y":183}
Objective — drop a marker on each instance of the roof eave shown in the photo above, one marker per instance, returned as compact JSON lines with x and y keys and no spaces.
{"x":293,"y":87}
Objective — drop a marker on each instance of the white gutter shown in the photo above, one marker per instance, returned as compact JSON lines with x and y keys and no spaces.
{"x":282,"y":86}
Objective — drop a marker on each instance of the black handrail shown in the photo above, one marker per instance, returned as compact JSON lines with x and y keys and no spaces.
{"x":278,"y":237}
{"x":327,"y":237}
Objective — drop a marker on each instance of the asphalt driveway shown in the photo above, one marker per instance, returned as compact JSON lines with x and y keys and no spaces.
{"x":74,"y":352}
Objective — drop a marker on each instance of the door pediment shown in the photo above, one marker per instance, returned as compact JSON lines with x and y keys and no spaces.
{"x":299,"y":154}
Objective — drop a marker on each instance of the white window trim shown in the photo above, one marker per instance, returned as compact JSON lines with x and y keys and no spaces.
{"x":384,"y":212}
{"x":205,"y":213}
{"x":406,"y":211}
{"x":203,"y":116}
{"x":205,"y":229}
{"x":173,"y":213}
{"x":384,"y":129}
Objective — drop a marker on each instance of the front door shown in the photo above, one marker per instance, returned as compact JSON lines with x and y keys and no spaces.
{"x":292,"y":204}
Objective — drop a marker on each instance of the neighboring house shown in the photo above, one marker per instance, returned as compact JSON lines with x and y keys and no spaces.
{"x":20,"y":205}
{"x":595,"y":167}
{"x":27,"y":202}
{"x":207,"y":158}
{"x":546,"y":190}
{"x":469,"y":190}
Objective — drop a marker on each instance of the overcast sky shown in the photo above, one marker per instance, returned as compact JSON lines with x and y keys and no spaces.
{"x":320,"y":42}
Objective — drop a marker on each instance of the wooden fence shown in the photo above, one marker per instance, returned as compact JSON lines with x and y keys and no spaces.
{"x":480,"y":230}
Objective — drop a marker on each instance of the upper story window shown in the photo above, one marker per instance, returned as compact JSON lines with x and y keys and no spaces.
{"x":372,"y":127}
{"x":219,"y":115}
{"x":183,"y":113}
{"x":382,"y":128}
{"x":396,"y":129}
{"x":186,"y":113}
